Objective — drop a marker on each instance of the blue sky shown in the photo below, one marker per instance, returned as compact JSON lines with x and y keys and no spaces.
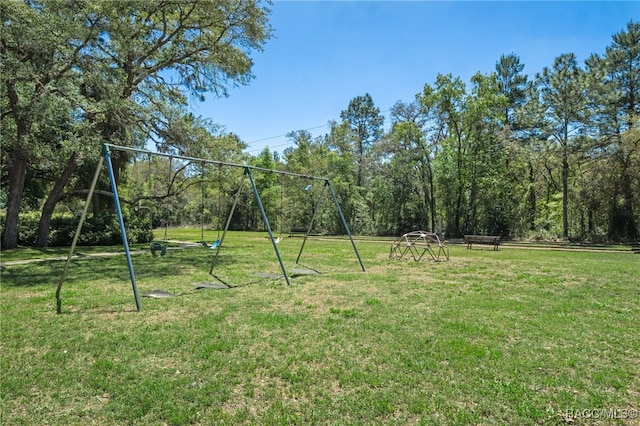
{"x":324,"y":54}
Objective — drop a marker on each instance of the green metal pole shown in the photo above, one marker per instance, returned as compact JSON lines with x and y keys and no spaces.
{"x":226,"y":226}
{"x":123,"y":232}
{"x":77,"y":234}
{"x":313,"y":218}
{"x":266,"y":223}
{"x":344,"y":222}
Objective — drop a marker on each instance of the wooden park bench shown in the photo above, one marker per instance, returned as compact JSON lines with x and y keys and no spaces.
{"x":297,"y":231}
{"x":482,"y":239}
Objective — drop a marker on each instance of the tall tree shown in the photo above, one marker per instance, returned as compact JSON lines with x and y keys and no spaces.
{"x":489,"y":198}
{"x":408,"y":172}
{"x":516,"y":88}
{"x":366,"y":122}
{"x":40,"y":45}
{"x":564,"y":96}
{"x":301,"y":159}
{"x":342,"y":166}
{"x":512,"y":83}
{"x":617,"y":100}
{"x":446,"y":100}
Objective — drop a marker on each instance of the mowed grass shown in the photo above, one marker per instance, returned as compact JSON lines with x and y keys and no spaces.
{"x":510,"y":337}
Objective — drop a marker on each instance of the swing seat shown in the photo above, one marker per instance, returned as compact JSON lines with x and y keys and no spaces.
{"x":213,"y":245}
{"x":158,"y":294}
{"x":157,"y":247}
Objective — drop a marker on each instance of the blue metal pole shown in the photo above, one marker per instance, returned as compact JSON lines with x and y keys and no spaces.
{"x":123,"y":232}
{"x":344,"y":221}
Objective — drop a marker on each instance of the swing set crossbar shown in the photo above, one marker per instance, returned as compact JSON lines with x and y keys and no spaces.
{"x":209,"y":162}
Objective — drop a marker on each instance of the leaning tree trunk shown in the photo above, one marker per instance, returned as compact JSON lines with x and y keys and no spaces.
{"x":52,"y":200}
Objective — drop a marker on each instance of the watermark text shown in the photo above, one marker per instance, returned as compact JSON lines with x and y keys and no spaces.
{"x":602,"y":413}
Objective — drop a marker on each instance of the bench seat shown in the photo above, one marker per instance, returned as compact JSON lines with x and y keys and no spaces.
{"x":297,"y":231}
{"x":482,"y":239}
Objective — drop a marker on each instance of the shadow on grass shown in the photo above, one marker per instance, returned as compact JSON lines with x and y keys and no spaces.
{"x":110,"y":310}
{"x":87,"y":269}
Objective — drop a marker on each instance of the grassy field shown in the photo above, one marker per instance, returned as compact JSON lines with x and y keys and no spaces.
{"x":516,"y":336}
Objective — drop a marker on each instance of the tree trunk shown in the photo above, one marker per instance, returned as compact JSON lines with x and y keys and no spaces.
{"x":531,"y":199}
{"x":17,"y":172}
{"x":52,"y":201}
{"x":631,"y":228}
{"x":459,"y":185}
{"x":622,"y":224}
{"x":118,"y":161}
{"x":565,"y":182}
{"x":17,"y":175}
{"x":565,"y":194}
{"x":472,"y":212}
{"x":432,"y":197}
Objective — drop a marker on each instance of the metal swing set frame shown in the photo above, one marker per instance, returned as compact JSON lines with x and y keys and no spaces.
{"x":105,"y":158}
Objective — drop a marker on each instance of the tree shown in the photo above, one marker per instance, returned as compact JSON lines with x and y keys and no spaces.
{"x":617,"y":101}
{"x":301,"y":159}
{"x":268,"y":185}
{"x":564,"y":95}
{"x":136,"y":62}
{"x":366,"y":123}
{"x":519,"y":139}
{"x":512,"y":84}
{"x":40,"y":45}
{"x":446,"y":101}
{"x":405,"y":183}
{"x":342,"y":168}
{"x":488,"y":195}
{"x":307,"y":157}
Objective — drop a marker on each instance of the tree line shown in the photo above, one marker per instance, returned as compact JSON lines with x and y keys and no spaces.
{"x":556,"y":155}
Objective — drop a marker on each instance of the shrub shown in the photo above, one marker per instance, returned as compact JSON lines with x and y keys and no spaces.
{"x":102,"y":229}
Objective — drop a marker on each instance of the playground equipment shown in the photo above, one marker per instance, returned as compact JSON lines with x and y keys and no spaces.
{"x":157,"y":249}
{"x":247,"y":174}
{"x":416,"y":244}
{"x":216,"y":242}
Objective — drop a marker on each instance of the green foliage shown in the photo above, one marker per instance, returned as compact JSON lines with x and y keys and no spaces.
{"x":549,"y":222}
{"x":78,"y":75}
{"x":96,"y":230}
{"x":364,"y":121}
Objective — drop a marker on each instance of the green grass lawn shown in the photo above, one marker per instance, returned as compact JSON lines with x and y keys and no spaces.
{"x":516,"y":336}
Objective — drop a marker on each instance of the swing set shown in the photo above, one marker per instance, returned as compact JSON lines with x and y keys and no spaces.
{"x":160,"y":248}
{"x":216,"y":242}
